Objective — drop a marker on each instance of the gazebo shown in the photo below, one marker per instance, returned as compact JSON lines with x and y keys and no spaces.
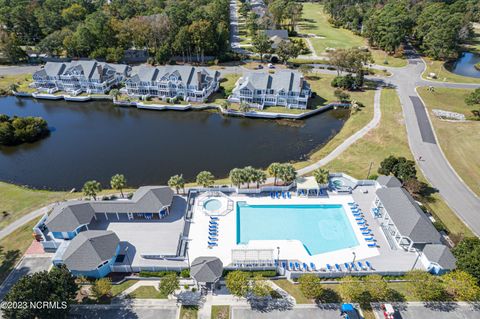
{"x":206,"y":271}
{"x":307,"y":185}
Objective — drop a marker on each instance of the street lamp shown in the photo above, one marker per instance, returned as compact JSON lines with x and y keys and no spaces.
{"x":278,"y":256}
{"x":353,"y":261}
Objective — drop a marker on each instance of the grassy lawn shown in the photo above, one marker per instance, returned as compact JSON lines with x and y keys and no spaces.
{"x":220,"y":312}
{"x":228,"y":83}
{"x":443,"y":74}
{"x":474,"y":44}
{"x":188,"y":312}
{"x":353,"y":124}
{"x":117,"y":289}
{"x":315,"y":21}
{"x":459,"y":140}
{"x":13,"y":246}
{"x":293,"y":290}
{"x":146,"y":292}
{"x":20,"y":79}
{"x":18,"y":201}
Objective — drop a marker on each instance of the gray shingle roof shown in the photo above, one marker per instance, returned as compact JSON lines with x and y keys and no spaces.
{"x":87,"y":67}
{"x":89,"y":249}
{"x":283,"y":34}
{"x":185,"y":73}
{"x":441,"y":255}
{"x":69,"y":216}
{"x":206,"y":269}
{"x":54,"y":68}
{"x":147,"y":199}
{"x":284,"y":79}
{"x":388,"y":181}
{"x":407,"y":215}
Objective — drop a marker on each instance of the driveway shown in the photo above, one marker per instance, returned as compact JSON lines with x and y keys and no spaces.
{"x":28,"y":266}
{"x":123,"y":312}
{"x":416,"y":310}
{"x":18,"y":69}
{"x":298,"y":312}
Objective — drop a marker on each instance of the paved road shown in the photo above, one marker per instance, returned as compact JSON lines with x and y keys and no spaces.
{"x":27,"y":266}
{"x":18,"y":69}
{"x":124,"y":312}
{"x":10,"y":228}
{"x":299,"y":312}
{"x":416,"y":310}
{"x":423,"y":142}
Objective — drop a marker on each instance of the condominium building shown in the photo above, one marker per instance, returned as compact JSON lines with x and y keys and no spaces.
{"x":187,"y":82}
{"x":284,"y":88}
{"x":75,"y":77}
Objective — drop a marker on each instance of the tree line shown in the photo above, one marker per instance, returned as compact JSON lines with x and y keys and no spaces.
{"x":97,"y":29}
{"x":438,"y":28}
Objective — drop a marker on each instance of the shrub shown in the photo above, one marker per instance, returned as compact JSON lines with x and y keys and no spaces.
{"x":185,"y":273}
{"x":346,"y":82}
{"x":156,"y":273}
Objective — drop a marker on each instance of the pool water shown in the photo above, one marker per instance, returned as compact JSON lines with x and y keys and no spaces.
{"x":212,"y":205}
{"x":321,"y":228}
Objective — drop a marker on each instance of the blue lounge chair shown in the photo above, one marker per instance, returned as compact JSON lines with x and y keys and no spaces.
{"x":305,"y":267}
{"x":366,"y":233}
{"x":214,"y":218}
{"x":212,"y":238}
{"x":290,"y":266}
{"x":297,"y":266}
{"x":272,"y":195}
{"x":371,"y":238}
{"x":213,"y":233}
{"x":352,"y":203}
{"x":372,"y":245}
{"x":361,"y":266}
{"x":329,"y":268}
{"x":337,"y":266}
{"x":284,"y":264}
{"x":212,"y":243}
{"x":284,"y":195}
{"x":369,"y":265}
{"x":213,"y":222}
{"x":359,"y":219}
{"x":312,"y":266}
{"x":347,"y":266}
{"x":352,"y":265}
{"x":357,"y":214}
{"x":288,"y":195}
{"x":361,"y":223}
{"x":363,"y":228}
{"x":278,"y":194}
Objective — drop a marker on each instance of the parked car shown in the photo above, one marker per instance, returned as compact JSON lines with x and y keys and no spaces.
{"x":271,"y":66}
{"x":348,"y":311}
{"x":388,"y":311}
{"x":259,"y":67}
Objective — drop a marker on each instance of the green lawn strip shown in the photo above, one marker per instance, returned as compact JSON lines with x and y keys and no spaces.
{"x":459,"y":140}
{"x":13,"y":247}
{"x":117,"y":289}
{"x":390,"y":138}
{"x":443,"y":75}
{"x":294,"y":291}
{"x":146,"y":292}
{"x":315,"y":21}
{"x":220,"y":312}
{"x":189,"y":312}
{"x":22,"y":80}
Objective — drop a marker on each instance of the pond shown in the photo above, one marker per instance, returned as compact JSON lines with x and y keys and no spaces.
{"x":465,"y":65}
{"x":95,"y":140}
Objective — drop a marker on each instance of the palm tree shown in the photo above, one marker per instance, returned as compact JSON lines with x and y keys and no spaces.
{"x":114,"y":93}
{"x":118,"y":182}
{"x":237,"y":176}
{"x":91,"y":189}
{"x":249,"y":175}
{"x":178,"y":182}
{"x":287,"y":173}
{"x":205,"y":178}
{"x":259,"y":176}
{"x":321,"y":176}
{"x":274,"y":170}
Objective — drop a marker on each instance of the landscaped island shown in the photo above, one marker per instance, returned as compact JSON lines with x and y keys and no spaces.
{"x":18,"y":130}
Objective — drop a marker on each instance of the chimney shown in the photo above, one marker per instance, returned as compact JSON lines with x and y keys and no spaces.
{"x":100,"y":72}
{"x":199,"y":80}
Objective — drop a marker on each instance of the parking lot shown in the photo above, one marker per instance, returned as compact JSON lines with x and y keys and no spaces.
{"x":416,"y":310}
{"x":295,"y":313}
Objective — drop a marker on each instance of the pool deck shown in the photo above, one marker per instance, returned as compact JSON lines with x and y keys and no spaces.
{"x":289,"y":249}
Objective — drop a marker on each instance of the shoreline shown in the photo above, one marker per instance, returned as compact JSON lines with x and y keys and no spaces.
{"x":179,"y":107}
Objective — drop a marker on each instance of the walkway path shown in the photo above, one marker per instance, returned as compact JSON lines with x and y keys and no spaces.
{"x":10,"y":228}
{"x":377,"y":114}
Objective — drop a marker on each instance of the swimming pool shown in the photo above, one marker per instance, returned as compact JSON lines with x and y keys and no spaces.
{"x":321,"y":228}
{"x":212,"y":205}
